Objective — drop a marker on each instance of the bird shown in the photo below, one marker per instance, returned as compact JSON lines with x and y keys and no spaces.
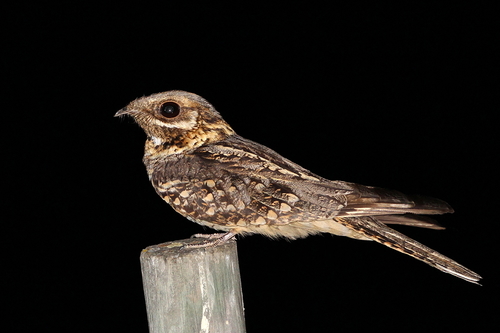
{"x":212,"y":176}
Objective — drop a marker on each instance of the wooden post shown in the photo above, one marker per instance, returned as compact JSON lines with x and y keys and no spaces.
{"x":192,"y":289}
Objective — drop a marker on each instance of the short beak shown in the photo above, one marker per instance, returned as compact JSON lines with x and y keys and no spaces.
{"x":124,"y":111}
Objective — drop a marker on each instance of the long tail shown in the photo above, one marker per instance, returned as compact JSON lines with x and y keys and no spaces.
{"x":369,"y":228}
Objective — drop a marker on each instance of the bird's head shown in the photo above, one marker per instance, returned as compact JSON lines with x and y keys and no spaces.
{"x":177,"y":120}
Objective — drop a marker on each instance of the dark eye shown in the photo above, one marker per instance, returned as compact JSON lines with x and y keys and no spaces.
{"x":170,"y":109}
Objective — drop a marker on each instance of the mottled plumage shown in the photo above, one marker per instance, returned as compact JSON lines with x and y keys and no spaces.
{"x":214,"y":177}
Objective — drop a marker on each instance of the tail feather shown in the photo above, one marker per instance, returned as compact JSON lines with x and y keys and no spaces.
{"x":410,"y":220}
{"x":373,"y":229}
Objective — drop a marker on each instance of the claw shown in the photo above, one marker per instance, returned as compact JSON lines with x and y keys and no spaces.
{"x":211,"y":240}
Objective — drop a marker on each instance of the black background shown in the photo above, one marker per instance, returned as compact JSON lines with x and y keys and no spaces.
{"x":401,"y":97}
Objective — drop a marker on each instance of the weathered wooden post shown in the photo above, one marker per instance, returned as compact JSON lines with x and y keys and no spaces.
{"x":192,"y":289}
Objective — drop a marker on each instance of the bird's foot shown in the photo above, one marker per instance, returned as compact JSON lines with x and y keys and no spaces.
{"x":211,"y":240}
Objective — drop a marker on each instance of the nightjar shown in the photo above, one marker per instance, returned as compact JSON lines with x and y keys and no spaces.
{"x":216,"y":178}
